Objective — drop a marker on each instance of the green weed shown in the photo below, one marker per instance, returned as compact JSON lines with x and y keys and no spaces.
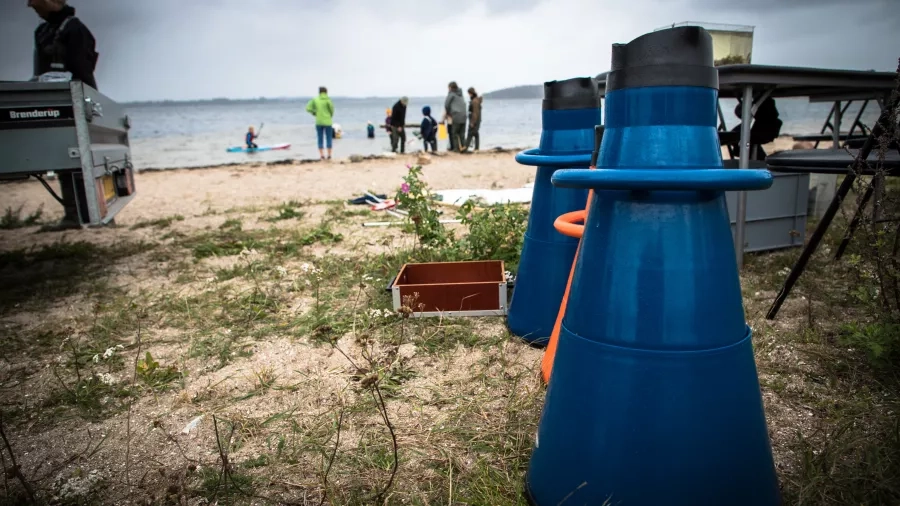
{"x":12,"y":218}
{"x":158,"y":223}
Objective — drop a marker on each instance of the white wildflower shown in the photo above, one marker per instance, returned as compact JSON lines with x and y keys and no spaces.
{"x":96,"y":358}
{"x":109,"y":353}
{"x":367,"y":278}
{"x":305,"y":267}
{"x":106,"y":378}
{"x":79,"y":486}
{"x":281,"y":271}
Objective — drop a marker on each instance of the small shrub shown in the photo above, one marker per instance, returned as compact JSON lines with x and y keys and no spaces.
{"x":154,"y":375}
{"x":495,"y":232}
{"x":880,"y":341}
{"x":12,"y":219}
{"x":414,"y":196}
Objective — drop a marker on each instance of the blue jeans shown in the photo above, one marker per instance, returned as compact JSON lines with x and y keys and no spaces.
{"x":324,"y":131}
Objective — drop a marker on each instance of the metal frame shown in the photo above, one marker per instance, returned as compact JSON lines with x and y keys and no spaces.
{"x":739,"y":81}
{"x":397,"y":302}
{"x":84,"y":146}
{"x":85,"y":159}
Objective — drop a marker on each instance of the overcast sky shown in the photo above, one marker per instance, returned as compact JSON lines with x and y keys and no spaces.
{"x":192,"y":49}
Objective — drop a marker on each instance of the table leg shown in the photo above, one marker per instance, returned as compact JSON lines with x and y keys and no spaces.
{"x":810,"y":248}
{"x":854,"y":223}
{"x":740,"y":219}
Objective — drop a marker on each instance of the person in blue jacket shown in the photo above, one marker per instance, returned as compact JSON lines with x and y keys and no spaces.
{"x":428,"y":129}
{"x":370,"y":130}
{"x":251,"y":136}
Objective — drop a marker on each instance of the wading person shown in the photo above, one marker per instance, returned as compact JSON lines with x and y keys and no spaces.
{"x":398,"y":122}
{"x":323,"y":109}
{"x":455,"y":110}
{"x":474,"y":119}
{"x":428,"y":129}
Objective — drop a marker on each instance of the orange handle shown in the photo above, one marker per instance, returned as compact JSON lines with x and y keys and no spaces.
{"x":566,"y":224}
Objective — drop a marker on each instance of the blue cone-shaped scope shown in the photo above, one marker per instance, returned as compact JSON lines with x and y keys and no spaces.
{"x":571,"y":111}
{"x":655,"y":398}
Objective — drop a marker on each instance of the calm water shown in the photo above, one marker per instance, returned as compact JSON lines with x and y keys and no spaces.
{"x":173,"y":136}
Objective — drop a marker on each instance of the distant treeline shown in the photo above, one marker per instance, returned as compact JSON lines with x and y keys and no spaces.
{"x":214,"y":101}
{"x":246,"y":101}
{"x":518,"y":92}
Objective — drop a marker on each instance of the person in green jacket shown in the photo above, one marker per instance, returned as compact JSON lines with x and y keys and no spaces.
{"x":323,"y":109}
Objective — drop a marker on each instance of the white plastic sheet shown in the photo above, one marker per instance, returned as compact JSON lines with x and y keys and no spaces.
{"x":503,"y":196}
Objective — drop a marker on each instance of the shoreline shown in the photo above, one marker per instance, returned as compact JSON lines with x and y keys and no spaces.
{"x":353,"y":158}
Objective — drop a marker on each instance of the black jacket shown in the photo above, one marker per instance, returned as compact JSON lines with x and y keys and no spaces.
{"x":71,"y":48}
{"x":398,"y":114}
{"x":766,"y":123}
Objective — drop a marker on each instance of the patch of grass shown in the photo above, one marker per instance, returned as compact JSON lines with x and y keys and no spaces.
{"x":219,"y":489}
{"x":223,"y":347}
{"x":228,"y":241}
{"x":12,"y":218}
{"x":92,"y":396}
{"x":260,"y":461}
{"x":855,"y":461}
{"x":452,"y":332}
{"x":58,"y":270}
{"x":340,"y":212}
{"x":393,"y":378}
{"x":231,"y":224}
{"x":287,"y":211}
{"x":155,"y":376}
{"x":158,"y":223}
{"x":320,"y":235}
{"x":265,"y":378}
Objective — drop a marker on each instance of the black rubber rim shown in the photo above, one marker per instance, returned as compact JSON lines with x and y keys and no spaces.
{"x":576,"y":93}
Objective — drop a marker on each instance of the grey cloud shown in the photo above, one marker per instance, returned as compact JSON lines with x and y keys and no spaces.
{"x":240,"y":48}
{"x":786,"y":5}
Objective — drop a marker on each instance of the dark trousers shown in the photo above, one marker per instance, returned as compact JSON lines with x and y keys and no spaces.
{"x":473,"y":134}
{"x":398,"y":135}
{"x":432,"y":142}
{"x":457,"y":135}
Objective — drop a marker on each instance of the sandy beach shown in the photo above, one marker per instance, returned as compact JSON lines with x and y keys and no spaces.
{"x":194,"y":191}
{"x":246,"y":304}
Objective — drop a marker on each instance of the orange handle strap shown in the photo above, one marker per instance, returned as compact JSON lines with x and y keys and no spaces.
{"x":566,"y":224}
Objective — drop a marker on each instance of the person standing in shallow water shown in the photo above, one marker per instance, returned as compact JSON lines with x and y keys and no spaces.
{"x":323,"y":109}
{"x":455,"y":110}
{"x":474,"y":119}
{"x":398,"y":123}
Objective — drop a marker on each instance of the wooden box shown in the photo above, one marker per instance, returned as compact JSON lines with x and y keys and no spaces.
{"x":452,"y":288}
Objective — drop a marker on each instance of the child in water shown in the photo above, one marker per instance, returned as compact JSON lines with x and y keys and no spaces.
{"x":251,"y":136}
{"x":387,"y":121}
{"x":429,"y":129}
{"x":370,"y":130}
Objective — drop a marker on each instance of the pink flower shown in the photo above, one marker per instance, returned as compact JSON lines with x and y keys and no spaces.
{"x":404,"y":188}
